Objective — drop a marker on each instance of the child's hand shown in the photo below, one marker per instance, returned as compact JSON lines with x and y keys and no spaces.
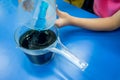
{"x":64,"y":18}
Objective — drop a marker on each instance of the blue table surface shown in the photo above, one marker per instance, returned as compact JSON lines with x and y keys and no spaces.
{"x":101,"y":50}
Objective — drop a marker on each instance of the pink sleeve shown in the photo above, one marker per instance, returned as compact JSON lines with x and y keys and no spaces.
{"x":105,"y":8}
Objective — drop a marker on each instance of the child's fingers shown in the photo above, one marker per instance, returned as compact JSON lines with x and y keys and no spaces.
{"x":57,"y":23}
{"x":58,"y":12}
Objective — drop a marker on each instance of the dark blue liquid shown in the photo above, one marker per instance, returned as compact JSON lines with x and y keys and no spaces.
{"x":35,"y":40}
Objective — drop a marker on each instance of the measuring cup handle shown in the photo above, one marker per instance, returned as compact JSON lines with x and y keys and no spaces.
{"x":62,"y":50}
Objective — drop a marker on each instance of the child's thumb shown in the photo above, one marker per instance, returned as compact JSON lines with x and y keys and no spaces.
{"x":58,"y":12}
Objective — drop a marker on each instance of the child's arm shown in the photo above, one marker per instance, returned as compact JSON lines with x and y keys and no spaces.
{"x":97,"y":24}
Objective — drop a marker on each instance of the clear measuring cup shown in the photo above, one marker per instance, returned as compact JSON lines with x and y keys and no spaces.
{"x":40,"y":46}
{"x":31,"y":11}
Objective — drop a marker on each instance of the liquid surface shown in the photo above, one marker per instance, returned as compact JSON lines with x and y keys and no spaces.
{"x":34,"y":39}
